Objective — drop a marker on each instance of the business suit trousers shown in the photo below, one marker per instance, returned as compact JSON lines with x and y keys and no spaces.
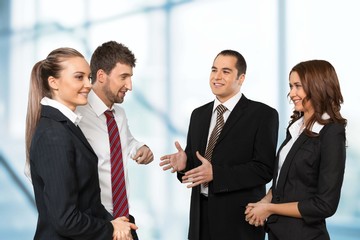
{"x":204,"y":218}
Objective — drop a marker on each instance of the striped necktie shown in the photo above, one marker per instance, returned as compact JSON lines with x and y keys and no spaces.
{"x":120,"y":201}
{"x":215,"y":133}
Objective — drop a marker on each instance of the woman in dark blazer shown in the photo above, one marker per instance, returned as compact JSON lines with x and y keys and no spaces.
{"x":311,"y":161}
{"x":62,"y":164}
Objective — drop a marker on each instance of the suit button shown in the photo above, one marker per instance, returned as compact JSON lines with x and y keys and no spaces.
{"x":277,"y":199}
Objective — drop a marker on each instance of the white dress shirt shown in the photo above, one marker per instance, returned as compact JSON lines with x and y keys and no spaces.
{"x":95,"y":130}
{"x":229,"y":104}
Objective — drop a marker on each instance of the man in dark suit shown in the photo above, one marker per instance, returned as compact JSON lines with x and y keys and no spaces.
{"x":230,"y":169}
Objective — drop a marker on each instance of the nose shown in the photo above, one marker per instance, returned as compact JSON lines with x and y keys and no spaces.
{"x":128,"y":84}
{"x":292,"y":92}
{"x":218,"y":75}
{"x":87,"y":83}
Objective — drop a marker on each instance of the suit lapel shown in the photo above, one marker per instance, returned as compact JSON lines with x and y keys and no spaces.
{"x":56,"y":115}
{"x":234,"y":116}
{"x":288,"y":161}
{"x":287,"y":139}
{"x":204,"y":127}
{"x":78,"y":133}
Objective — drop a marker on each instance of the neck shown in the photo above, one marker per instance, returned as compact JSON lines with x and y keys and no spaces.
{"x":103,"y":97}
{"x":306,"y":118}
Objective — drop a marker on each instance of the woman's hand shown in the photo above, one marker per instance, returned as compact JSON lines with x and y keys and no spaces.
{"x":257,"y":213}
{"x":122,"y":228}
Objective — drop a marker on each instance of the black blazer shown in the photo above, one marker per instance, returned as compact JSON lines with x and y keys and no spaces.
{"x":65,"y":180}
{"x":312,"y":174}
{"x":243,"y":162}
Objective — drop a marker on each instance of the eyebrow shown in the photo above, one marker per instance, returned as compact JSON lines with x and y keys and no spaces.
{"x":77,"y":72}
{"x":298,"y":82}
{"x":227,"y":69}
{"x":125,"y":74}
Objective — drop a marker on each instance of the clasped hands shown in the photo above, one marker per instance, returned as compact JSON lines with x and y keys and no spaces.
{"x":177,"y":163}
{"x":257,"y":213}
{"x":122,"y":228}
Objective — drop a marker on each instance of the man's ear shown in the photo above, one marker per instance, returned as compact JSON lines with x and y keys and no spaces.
{"x":100,"y":76}
{"x":53,"y":83}
{"x":241,"y":79}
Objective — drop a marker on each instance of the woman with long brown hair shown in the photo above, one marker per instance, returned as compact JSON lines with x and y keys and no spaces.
{"x":311,"y":161}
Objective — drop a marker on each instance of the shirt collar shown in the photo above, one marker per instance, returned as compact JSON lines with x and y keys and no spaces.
{"x":72,"y":116}
{"x":316,"y":128}
{"x":230,"y":103}
{"x":97,"y":104}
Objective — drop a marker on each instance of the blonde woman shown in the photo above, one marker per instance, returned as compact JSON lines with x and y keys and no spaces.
{"x":63,"y":166}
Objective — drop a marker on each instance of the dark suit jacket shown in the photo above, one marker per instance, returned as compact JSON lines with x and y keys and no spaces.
{"x":312,"y":174}
{"x":243,"y":162}
{"x":65,"y":180}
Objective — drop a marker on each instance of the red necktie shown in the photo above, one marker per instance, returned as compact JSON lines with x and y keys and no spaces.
{"x":120,"y":201}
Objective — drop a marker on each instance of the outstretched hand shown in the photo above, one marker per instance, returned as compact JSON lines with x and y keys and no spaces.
{"x":200,"y":174}
{"x":176,"y":161}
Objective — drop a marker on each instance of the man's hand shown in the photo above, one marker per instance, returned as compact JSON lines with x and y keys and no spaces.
{"x":144,"y":155}
{"x":176,"y":161}
{"x":199,"y":175}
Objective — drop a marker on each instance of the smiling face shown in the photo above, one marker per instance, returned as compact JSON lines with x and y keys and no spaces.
{"x":73,"y":85}
{"x":114,"y":85}
{"x":224,"y":79}
{"x":298,"y":96}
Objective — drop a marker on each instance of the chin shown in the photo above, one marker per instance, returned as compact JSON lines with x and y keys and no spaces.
{"x":215,"y":91}
{"x":80,"y":103}
{"x":119,"y":100}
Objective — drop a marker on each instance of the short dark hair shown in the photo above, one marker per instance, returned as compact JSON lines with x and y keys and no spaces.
{"x":240,"y":63}
{"x":107,"y":55}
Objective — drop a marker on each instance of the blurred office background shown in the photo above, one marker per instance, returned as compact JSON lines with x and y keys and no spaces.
{"x":175,"y":42}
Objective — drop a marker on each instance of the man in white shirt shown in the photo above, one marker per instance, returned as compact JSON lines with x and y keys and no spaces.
{"x":111,"y":68}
